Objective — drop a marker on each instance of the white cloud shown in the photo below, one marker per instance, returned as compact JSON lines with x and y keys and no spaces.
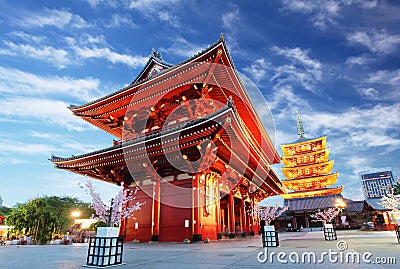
{"x":361,"y":127}
{"x":65,"y":142}
{"x":362,"y":60}
{"x":301,"y":68}
{"x":258,"y":69}
{"x":96,"y":47}
{"x":324,"y":12}
{"x":182,"y":47}
{"x":119,"y":20}
{"x":380,"y":85}
{"x":295,"y":67}
{"x":376,"y":41}
{"x":46,"y":110}
{"x":17,"y":147}
{"x":51,"y":17}
{"x":12,"y":80}
{"x":57,"y":57}
{"x":12,"y":161}
{"x":27,"y":37}
{"x":163,"y":10}
{"x":300,"y":56}
{"x":387,"y":77}
{"x":231,"y":19}
{"x":111,"y":56}
{"x":368,"y":92}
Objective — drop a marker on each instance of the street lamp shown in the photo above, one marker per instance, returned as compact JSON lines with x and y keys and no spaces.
{"x":75,"y":214}
{"x":340,"y":204}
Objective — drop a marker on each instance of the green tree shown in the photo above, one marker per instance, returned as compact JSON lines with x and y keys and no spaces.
{"x":396,"y":188}
{"x":93,"y":226}
{"x":5,"y":211}
{"x":44,"y":217}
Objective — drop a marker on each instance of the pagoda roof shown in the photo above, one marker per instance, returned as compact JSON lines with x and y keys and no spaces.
{"x":327,"y":150}
{"x":313,"y":203}
{"x":304,"y":140}
{"x":289,"y":172}
{"x":330,"y":180}
{"x":313,"y":193}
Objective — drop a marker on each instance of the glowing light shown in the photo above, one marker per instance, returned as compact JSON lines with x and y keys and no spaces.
{"x":75,"y":214}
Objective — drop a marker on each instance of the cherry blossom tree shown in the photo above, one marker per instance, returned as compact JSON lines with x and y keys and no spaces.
{"x":326,"y":215}
{"x":118,"y":209}
{"x":269,"y":213}
{"x":391,"y":201}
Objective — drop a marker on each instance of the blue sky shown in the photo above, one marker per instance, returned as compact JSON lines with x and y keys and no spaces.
{"x":336,"y":62}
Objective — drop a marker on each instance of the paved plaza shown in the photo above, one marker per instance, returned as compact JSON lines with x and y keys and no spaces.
{"x":235,"y":253}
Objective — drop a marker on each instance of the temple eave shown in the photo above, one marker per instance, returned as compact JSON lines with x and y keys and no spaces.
{"x":313,"y":193}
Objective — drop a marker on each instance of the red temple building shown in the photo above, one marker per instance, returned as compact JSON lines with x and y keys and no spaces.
{"x":189,"y":139}
{"x":308,"y":176}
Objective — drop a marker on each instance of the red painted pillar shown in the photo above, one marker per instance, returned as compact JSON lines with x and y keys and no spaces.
{"x":196,"y":232}
{"x":243,"y":216}
{"x":155,"y":229}
{"x":389,"y":222}
{"x":218,"y":211}
{"x":231,"y":214}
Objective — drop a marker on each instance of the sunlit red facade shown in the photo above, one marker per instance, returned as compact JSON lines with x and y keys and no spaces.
{"x":188,"y":137}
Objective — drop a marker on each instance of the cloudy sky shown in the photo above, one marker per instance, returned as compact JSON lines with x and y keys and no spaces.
{"x":336,"y":62}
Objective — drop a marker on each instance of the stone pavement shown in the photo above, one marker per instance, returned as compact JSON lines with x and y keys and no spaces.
{"x":236,"y":253}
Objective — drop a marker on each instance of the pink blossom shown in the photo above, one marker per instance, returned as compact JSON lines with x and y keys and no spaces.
{"x":326,"y":215}
{"x":119,"y":204}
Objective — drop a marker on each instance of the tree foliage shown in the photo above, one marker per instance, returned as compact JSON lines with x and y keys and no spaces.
{"x":396,"y":188}
{"x":44,"y":217}
{"x":269,"y":213}
{"x":327,"y":215}
{"x":119,"y":208}
{"x":5,"y":211}
{"x":391,"y":201}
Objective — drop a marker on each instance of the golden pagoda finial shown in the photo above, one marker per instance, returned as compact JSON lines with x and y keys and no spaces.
{"x":300,"y":129}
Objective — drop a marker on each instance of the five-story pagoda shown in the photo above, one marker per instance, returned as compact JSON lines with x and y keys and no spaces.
{"x":308,"y":173}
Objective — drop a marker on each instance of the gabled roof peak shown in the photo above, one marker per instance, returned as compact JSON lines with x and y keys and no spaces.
{"x":156,"y":54}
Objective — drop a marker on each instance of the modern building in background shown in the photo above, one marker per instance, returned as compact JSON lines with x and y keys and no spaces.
{"x":1,"y":201}
{"x":377,"y":183}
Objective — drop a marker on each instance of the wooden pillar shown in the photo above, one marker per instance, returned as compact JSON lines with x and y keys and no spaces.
{"x":243,"y":222}
{"x":196,"y":232}
{"x":251,"y":224}
{"x":294,"y":222}
{"x":389,"y":226}
{"x":306,"y":220}
{"x":218,"y":212}
{"x":231,"y":215}
{"x":155,"y":228}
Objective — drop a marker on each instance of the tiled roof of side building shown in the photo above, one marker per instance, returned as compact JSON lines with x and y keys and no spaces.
{"x":355,"y":207}
{"x":313,"y":203}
